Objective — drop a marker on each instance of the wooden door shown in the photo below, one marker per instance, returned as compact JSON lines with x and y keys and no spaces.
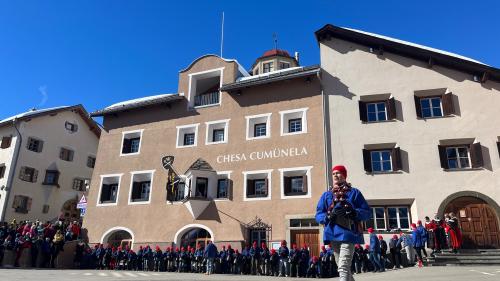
{"x":309,"y":237}
{"x":478,"y":222}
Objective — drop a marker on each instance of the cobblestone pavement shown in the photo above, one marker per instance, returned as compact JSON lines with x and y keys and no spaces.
{"x":449,"y":273}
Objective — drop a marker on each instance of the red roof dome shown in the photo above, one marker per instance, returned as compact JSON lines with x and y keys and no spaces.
{"x":276,"y":52}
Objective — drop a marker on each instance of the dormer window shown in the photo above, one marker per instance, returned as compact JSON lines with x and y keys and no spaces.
{"x":284,"y":64}
{"x":267,"y":67}
{"x":204,"y":88}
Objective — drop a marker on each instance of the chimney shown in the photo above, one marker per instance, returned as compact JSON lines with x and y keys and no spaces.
{"x":297,"y":57}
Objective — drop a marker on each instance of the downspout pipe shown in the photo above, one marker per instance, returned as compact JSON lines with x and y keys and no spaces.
{"x":12,"y":170}
{"x":326,"y":140}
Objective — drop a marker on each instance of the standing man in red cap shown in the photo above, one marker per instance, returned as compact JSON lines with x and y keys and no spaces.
{"x":341,"y":210}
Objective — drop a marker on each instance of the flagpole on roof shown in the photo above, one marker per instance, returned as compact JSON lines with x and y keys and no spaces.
{"x":222,"y":35}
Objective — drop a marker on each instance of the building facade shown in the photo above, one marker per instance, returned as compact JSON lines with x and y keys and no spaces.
{"x":46,"y":159}
{"x":230,"y":157}
{"x":418,"y":129}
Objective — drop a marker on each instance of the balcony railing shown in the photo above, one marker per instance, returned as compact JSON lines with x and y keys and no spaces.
{"x":206,"y":99}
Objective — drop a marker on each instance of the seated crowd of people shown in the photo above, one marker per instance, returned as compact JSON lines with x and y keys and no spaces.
{"x":43,"y":241}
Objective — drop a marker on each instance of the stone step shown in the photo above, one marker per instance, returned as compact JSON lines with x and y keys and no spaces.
{"x":467,"y":257}
{"x":467,"y":262}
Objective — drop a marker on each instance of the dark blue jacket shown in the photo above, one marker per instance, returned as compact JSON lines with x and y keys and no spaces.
{"x":210,"y":251}
{"x":374,"y":243}
{"x":337,"y":233}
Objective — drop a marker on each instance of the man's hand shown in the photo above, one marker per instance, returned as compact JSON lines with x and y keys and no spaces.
{"x":331,"y":215}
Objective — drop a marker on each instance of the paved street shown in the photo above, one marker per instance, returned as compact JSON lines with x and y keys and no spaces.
{"x":449,"y":273}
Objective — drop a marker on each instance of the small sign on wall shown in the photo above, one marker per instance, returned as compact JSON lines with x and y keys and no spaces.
{"x":463,"y":213}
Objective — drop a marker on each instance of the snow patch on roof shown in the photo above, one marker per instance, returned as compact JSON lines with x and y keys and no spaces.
{"x":32,"y":112}
{"x":281,"y":71}
{"x":415,"y":45}
{"x":138,"y":100}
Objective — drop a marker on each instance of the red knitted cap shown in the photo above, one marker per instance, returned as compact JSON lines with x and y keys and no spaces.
{"x":341,"y":169}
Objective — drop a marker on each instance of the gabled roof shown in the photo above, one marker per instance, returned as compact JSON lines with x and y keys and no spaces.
{"x":137,"y":103}
{"x":423,"y":53}
{"x":274,"y":76}
{"x":200,"y":165}
{"x":34,"y":113}
{"x":241,"y":69}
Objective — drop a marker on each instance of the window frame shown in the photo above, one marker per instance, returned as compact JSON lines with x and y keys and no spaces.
{"x":224,"y":175}
{"x":55,"y":173}
{"x":301,"y":195}
{"x":456,"y":147}
{"x":3,"y":169}
{"x":189,"y":139}
{"x":71,"y":154}
{"x":281,"y":62}
{"x":206,"y":74}
{"x":39,"y":145}
{"x":257,"y":128}
{"x":209,"y":135}
{"x":186,"y":127}
{"x":249,"y":121}
{"x":386,"y":217}
{"x":73,"y":127}
{"x":6,"y":142}
{"x":376,"y":103}
{"x":246,"y":174}
{"x":94,"y":159}
{"x":140,"y":131}
{"x":430,"y":98}
{"x":151,"y":174}
{"x":287,"y":115}
{"x":119,"y":176}
{"x":271,"y":66}
{"x":381,"y":160}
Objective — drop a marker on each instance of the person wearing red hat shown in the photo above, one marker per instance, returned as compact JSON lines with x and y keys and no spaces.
{"x":304,"y":258}
{"x":157,"y":259}
{"x":383,"y":251}
{"x":275,"y":263}
{"x":210,"y":254}
{"x":419,"y":237}
{"x":407,"y":245}
{"x":255,"y":259}
{"x":265,"y":255}
{"x":284,"y":253}
{"x":375,"y":251}
{"x":395,"y":250}
{"x":423,"y":232}
{"x":341,"y":210}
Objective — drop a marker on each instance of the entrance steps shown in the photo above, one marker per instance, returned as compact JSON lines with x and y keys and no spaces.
{"x":466,"y":257}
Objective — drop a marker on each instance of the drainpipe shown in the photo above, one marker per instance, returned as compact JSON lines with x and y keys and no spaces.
{"x":326,"y":116}
{"x":12,"y":169}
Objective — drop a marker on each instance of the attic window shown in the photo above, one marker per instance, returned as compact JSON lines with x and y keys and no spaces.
{"x":204,"y":88}
{"x":71,"y":127}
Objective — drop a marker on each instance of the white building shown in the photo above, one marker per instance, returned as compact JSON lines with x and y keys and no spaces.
{"x":46,"y":157}
{"x":417,"y":128}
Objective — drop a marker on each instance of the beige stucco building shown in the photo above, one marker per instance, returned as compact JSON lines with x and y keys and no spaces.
{"x":248,"y":153}
{"x":46,"y":160}
{"x":418,"y":129}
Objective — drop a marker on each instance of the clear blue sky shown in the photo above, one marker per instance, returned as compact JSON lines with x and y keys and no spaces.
{"x":100,"y":52}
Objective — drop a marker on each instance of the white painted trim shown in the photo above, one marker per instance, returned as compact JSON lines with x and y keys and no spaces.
{"x":117,"y":228}
{"x":226,"y":131}
{"x":207,"y":71}
{"x":152,"y":172}
{"x":282,"y":184}
{"x":183,"y":230}
{"x":117,"y":192}
{"x":140,"y":142}
{"x":191,"y":75}
{"x":195,"y":135}
{"x":269,"y":187}
{"x":228,"y":173}
{"x":304,"y":121}
{"x":268,"y":126}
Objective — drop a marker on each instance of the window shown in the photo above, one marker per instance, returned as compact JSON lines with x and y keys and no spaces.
{"x":258,"y":126}
{"x":303,"y":223}
{"x":434,"y":106}
{"x":293,"y":121}
{"x":257,"y":185}
{"x":382,"y":160}
{"x":188,"y":139}
{"x":34,"y":145}
{"x":267,"y":67}
{"x":66,"y":154}
{"x":71,"y":127}
{"x":222,"y":188}
{"x":21,"y":204}
{"x":51,"y":177}
{"x":259,"y":130}
{"x":381,"y":109}
{"x":284,"y":64}
{"x":91,"y":162}
{"x":201,"y":187}
{"x":398,"y":218}
{"x":187,"y":135}
{"x":6,"y":142}
{"x":131,"y":142}
{"x":295,"y":182}
{"x":258,"y":235}
{"x":457,"y":157}
{"x":45,"y":209}
{"x":79,"y":184}
{"x":28,"y":174}
{"x":109,"y":189}
{"x":2,"y":171}
{"x":295,"y":125}
{"x":204,"y":88}
{"x":217,"y":131}
{"x":389,"y":218}
{"x":141,"y":186}
{"x":256,"y":72}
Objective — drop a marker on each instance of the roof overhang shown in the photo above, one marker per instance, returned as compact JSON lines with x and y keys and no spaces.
{"x":125,"y":107}
{"x":274,"y":77}
{"x":482,"y":71}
